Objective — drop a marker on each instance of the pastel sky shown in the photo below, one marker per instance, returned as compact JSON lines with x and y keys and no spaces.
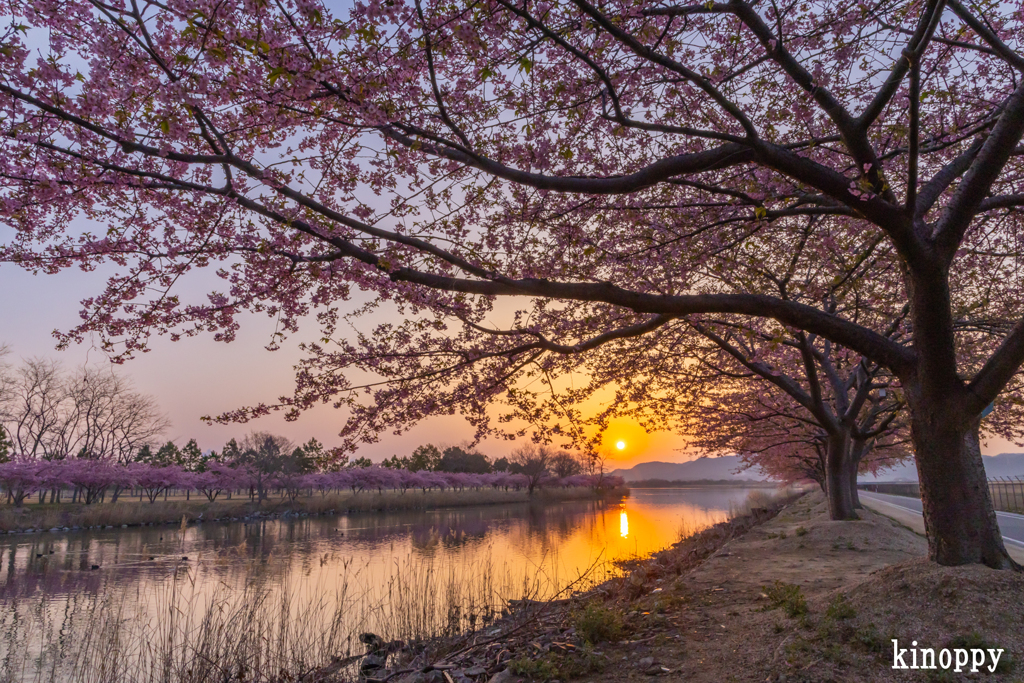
{"x":198,"y":376}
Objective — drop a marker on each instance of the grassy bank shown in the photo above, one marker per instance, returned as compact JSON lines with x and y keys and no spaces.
{"x":134,"y":513}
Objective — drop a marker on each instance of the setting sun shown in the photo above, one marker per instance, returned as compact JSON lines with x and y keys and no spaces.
{"x":624,"y":438}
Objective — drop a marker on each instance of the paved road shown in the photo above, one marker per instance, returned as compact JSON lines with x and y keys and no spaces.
{"x":1010,"y":524}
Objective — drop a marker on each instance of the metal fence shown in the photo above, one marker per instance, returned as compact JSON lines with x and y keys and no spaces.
{"x":1007,"y":492}
{"x":909,"y":489}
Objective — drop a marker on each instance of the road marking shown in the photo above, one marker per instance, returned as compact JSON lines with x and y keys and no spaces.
{"x":1014,"y":541}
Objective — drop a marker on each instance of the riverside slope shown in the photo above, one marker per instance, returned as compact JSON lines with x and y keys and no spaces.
{"x":862,"y":583}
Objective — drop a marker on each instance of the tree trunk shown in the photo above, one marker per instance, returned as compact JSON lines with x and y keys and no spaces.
{"x":858,"y":449}
{"x":958,"y":515}
{"x":837,"y":477}
{"x":959,"y":518}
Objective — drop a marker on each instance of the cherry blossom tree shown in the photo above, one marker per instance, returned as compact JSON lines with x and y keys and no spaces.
{"x":218,"y":477}
{"x":765,"y":394}
{"x":602,"y":161}
{"x":20,"y":477}
{"x":155,"y":480}
{"x":90,"y":478}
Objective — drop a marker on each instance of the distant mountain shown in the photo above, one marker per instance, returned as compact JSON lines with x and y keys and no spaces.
{"x":1002,"y":465}
{"x":702,"y":468}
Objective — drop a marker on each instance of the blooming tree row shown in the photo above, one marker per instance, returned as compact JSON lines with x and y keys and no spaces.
{"x":89,"y":481}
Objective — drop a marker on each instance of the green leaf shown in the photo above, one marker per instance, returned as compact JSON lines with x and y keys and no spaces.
{"x":276,"y":74}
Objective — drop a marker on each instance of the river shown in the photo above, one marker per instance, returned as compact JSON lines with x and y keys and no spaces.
{"x":400,"y":574}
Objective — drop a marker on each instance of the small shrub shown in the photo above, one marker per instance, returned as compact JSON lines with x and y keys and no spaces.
{"x":788,"y":597}
{"x":839,"y":609}
{"x":551,"y":667}
{"x":664,"y":604}
{"x":834,"y":653}
{"x":869,"y":637}
{"x":800,"y":531}
{"x":540,"y":669}
{"x":580,"y":664}
{"x":800,"y":651}
{"x":596,"y":624}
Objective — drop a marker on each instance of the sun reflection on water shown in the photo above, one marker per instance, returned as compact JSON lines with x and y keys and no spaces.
{"x":623,"y":524}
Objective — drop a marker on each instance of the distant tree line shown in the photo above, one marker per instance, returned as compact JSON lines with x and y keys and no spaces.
{"x":677,"y":483}
{"x":522,"y":461}
{"x":259,"y":465}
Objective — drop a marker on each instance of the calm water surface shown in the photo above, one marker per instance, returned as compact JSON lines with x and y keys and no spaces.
{"x":490,"y":553}
{"x":557,"y":541}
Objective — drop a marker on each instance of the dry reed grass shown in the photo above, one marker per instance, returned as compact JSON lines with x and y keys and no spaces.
{"x":261,"y":633}
{"x":758,"y":499}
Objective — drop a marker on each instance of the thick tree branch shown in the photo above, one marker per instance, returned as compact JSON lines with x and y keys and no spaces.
{"x":997,"y":372}
{"x":984,"y":171}
{"x":930,"y":192}
{"x":997,"y":45}
{"x":925,"y":28}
